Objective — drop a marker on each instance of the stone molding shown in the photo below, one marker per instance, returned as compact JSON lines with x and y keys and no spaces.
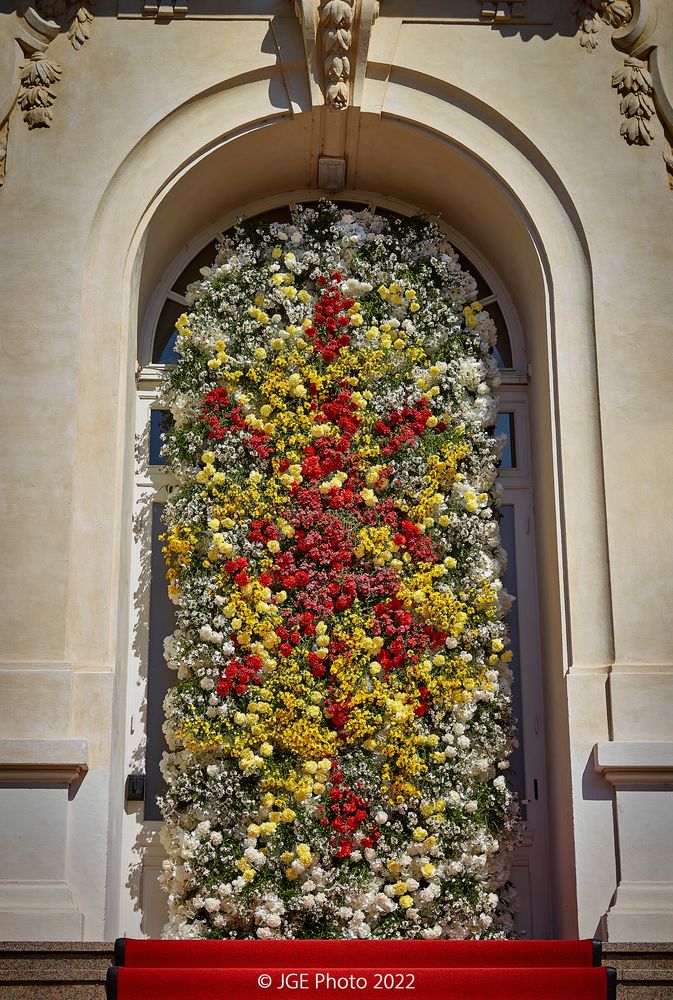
{"x":625,"y":763}
{"x":503,"y":11}
{"x":49,"y":762}
{"x":165,"y":10}
{"x":642,"y":906}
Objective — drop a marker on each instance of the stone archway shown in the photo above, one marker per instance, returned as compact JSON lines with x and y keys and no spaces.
{"x":452,"y":157}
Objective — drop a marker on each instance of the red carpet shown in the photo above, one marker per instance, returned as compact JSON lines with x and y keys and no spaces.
{"x":370,"y":970}
{"x":355,"y":954}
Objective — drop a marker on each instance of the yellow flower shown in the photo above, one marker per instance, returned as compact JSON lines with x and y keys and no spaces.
{"x":304,"y":854}
{"x":406,"y":902}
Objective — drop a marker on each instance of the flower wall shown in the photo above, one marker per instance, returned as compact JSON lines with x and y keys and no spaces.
{"x":340,"y":725}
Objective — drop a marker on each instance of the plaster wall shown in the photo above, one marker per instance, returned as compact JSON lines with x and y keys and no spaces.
{"x":512,"y":135}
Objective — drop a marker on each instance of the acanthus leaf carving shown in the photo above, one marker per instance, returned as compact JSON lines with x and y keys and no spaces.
{"x":634,"y":83}
{"x":590,"y":14}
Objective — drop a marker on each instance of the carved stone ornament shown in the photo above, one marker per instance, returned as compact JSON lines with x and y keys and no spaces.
{"x":27,"y":74}
{"x":336,"y":37}
{"x":75,"y":18}
{"x":336,"y":22}
{"x":590,"y":14}
{"x":643,"y":30}
{"x":634,"y":83}
{"x":35,"y":96}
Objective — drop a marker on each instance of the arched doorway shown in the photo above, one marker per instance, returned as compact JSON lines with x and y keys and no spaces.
{"x":150,"y":679}
{"x":451,"y":158}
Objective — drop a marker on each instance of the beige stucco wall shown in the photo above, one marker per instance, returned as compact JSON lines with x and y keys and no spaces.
{"x":512,"y":134}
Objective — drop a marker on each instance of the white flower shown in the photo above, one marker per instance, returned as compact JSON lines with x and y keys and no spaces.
{"x":206,"y":634}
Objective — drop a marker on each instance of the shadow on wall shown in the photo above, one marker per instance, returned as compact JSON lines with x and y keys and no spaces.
{"x":539,"y":18}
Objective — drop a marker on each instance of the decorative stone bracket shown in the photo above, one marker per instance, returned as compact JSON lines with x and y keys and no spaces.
{"x":643,"y":30}
{"x":165,"y":10}
{"x":503,"y":11}
{"x":29,"y":82}
{"x":336,"y":39}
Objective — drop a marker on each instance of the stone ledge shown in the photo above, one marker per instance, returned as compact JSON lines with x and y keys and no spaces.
{"x":50,"y":762}
{"x":635,"y":763}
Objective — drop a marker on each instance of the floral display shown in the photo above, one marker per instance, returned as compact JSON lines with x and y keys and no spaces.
{"x":340,"y":726}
